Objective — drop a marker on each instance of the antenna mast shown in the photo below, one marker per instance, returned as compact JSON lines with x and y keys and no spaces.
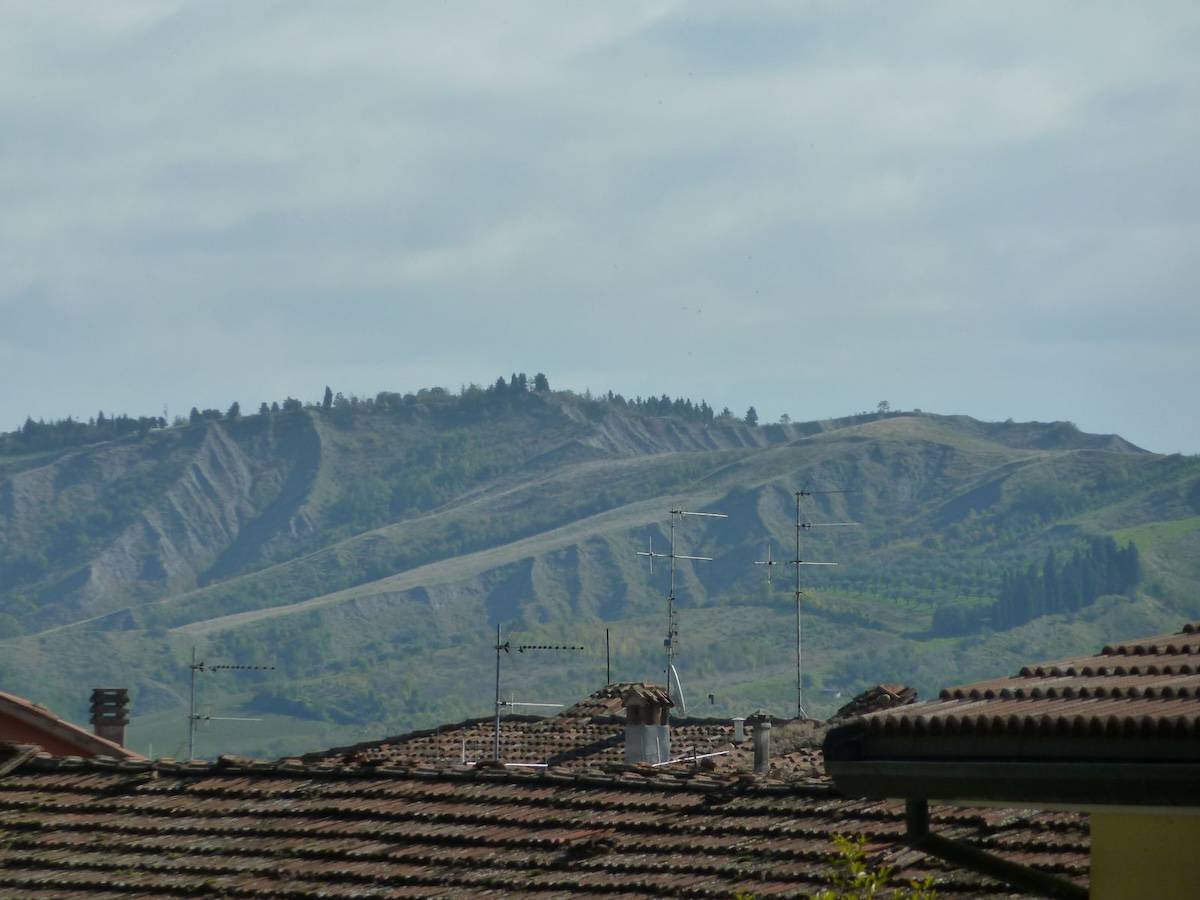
{"x":798,"y":593}
{"x":507,"y":647}
{"x":670,"y":642}
{"x":193,"y":716}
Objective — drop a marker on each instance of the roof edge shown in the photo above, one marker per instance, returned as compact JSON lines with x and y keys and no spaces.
{"x":38,"y":716}
{"x":1011,"y":782}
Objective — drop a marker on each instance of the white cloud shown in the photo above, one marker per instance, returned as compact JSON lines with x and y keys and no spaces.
{"x":688,"y":197}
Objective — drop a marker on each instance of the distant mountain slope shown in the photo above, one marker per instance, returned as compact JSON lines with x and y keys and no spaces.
{"x":367,"y":550}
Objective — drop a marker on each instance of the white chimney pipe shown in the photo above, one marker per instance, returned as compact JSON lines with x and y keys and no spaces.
{"x":762,"y":746}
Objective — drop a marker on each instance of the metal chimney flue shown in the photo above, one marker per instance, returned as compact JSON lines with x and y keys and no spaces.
{"x":762,"y":746}
{"x":110,"y":713}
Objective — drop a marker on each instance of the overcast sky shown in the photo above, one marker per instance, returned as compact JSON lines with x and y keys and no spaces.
{"x":981,"y":208}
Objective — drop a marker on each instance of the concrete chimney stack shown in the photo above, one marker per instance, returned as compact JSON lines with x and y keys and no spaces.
{"x":110,"y":713}
{"x":739,"y":729}
{"x":762,"y":745}
{"x":647,"y":728}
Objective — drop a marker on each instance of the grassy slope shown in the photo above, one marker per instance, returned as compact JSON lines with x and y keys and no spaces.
{"x":388,"y":620}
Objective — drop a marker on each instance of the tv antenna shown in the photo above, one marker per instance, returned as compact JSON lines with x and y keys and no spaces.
{"x":801,"y":525}
{"x":670,"y":642}
{"x":769,"y":563}
{"x":508,"y":647}
{"x":194,"y":717}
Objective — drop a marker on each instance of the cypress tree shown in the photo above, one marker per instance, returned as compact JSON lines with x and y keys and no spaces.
{"x":1050,"y":583}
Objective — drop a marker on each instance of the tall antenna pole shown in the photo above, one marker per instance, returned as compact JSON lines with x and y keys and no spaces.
{"x":802,"y":525}
{"x":192,"y":711}
{"x":607,"y":659}
{"x":800,"y":713}
{"x":496,"y":727}
{"x":672,"y":625}
{"x":670,"y":643}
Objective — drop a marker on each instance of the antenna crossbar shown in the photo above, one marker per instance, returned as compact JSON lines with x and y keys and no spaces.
{"x":521,"y":703}
{"x":691,"y":757}
{"x":521,"y":648}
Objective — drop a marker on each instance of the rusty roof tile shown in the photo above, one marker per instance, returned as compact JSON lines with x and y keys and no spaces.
{"x":242,"y":830}
{"x":1137,"y":698}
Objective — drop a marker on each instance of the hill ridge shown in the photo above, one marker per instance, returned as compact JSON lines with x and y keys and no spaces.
{"x":364,"y":550}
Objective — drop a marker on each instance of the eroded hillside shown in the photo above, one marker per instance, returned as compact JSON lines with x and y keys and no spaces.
{"x":368,"y":554}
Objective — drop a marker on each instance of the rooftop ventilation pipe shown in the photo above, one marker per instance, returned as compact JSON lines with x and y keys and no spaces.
{"x":739,"y":729}
{"x":762,"y":745}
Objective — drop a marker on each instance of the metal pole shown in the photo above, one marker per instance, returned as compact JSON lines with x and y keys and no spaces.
{"x":799,"y":676}
{"x":192,"y":712}
{"x":607,"y":659}
{"x":671,"y":615}
{"x":496,"y":729}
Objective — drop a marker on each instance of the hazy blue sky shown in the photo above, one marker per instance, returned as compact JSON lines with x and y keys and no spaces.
{"x":982,"y":208}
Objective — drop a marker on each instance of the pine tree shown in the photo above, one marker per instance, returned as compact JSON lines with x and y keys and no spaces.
{"x":327,"y":400}
{"x":751,"y":417}
{"x":235,"y":412}
{"x":541,"y":383}
{"x":1133,"y":566}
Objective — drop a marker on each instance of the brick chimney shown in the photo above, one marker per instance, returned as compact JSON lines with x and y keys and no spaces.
{"x":647,"y":732}
{"x":110,"y":713}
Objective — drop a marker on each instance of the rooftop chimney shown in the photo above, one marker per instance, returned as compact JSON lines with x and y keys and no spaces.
{"x":647,"y":734}
{"x":110,"y":713}
{"x":762,"y":744}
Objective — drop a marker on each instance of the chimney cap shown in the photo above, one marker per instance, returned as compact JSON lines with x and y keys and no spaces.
{"x":646,"y":695}
{"x":110,"y":706}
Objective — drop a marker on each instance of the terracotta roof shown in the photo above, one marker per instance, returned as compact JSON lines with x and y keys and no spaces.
{"x":882,"y":696}
{"x":588,"y":733}
{"x":77,"y":828}
{"x":605,"y":702}
{"x":1132,"y":704}
{"x":646,"y":693}
{"x":23,"y":720}
{"x":1148,"y":688}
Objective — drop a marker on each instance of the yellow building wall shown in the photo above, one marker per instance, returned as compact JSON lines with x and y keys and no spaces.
{"x":1145,"y":856}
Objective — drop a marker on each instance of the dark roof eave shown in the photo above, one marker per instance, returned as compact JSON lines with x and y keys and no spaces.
{"x":1014,"y":782}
